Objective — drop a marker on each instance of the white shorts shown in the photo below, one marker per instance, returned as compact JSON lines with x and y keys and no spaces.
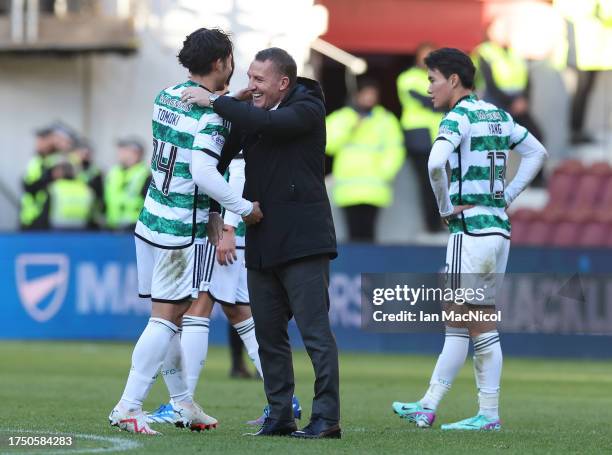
{"x":164,"y":275}
{"x":226,"y":284}
{"x":477,"y":262}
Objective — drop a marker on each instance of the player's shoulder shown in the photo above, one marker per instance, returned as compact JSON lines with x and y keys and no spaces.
{"x":474,"y":110}
{"x":486,"y":106}
{"x":464,"y":106}
{"x":457,"y":117}
{"x":213,"y":124}
{"x":170,"y":97}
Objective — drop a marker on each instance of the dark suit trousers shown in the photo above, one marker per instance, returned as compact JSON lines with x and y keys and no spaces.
{"x":297,"y":289}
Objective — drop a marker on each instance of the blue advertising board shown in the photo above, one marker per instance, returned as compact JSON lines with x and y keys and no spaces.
{"x":84,"y":286}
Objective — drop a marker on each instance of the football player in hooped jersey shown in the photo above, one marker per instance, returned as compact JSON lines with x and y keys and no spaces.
{"x":187,"y":143}
{"x":220,"y":276}
{"x":475,"y":138}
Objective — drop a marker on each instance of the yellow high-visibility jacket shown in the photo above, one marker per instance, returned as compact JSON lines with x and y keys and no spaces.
{"x":509,"y":69}
{"x":123,"y":194}
{"x":416,"y":114}
{"x":592,"y":32}
{"x":368,"y":153}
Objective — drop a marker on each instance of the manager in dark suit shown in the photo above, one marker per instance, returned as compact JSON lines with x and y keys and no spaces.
{"x":282,"y":134}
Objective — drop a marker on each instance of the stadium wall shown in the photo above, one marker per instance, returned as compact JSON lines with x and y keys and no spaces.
{"x":84,"y":286}
{"x":107,"y":96}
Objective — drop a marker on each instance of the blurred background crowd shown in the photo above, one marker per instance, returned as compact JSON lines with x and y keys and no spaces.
{"x":77,"y":104}
{"x":63,"y":187}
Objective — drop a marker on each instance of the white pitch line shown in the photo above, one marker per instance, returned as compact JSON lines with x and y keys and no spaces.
{"x":119,"y":444}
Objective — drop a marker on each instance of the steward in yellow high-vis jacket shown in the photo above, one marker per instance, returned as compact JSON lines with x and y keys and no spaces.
{"x":126,"y":186}
{"x":420,"y":122}
{"x":588,"y":50}
{"x":70,"y":200}
{"x":37,"y":179}
{"x":365,"y":141}
{"x":502,"y":77}
{"x":86,"y":170}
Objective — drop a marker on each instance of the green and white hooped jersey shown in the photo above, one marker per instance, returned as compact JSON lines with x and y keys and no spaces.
{"x":175,"y":212}
{"x":483,"y":136}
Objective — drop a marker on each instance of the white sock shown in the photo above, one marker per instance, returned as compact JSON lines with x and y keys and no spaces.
{"x":147,"y":358}
{"x":450,"y":361}
{"x":173,"y":373}
{"x":246,"y":330}
{"x":194,"y":342}
{"x":488,"y":361}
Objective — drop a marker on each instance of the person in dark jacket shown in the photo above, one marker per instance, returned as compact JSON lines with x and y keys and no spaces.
{"x":282,"y":134}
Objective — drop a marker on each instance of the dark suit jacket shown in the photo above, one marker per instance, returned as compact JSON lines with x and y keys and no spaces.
{"x":284,"y":151}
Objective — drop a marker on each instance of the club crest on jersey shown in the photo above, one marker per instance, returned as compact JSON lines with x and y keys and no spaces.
{"x":218,"y":138}
{"x":42,"y":282}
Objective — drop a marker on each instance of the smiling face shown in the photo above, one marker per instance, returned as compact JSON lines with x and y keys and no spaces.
{"x":440,"y":88}
{"x":268,"y":85}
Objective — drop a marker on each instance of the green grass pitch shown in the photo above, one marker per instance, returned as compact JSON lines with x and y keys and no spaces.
{"x":547,"y":406}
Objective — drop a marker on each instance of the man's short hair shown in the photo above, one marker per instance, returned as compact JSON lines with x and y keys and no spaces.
{"x":367,"y":82}
{"x":452,"y":61}
{"x":44,"y":131}
{"x":204,"y":47}
{"x":284,"y":63}
{"x":133,"y":143}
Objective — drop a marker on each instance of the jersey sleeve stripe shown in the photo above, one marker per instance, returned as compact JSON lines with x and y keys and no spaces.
{"x":520,"y":140}
{"x":450,"y":126}
{"x":211,"y":128}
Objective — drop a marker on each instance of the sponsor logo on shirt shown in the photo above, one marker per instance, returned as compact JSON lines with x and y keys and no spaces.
{"x":218,"y":138}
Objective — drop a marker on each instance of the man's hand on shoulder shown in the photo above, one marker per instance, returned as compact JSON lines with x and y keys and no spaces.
{"x":255,"y":216}
{"x":196,"y":95}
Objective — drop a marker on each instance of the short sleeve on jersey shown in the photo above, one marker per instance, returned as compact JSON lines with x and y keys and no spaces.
{"x":453,"y":127}
{"x":211,"y":135}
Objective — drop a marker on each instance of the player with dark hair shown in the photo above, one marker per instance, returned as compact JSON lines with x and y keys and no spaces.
{"x":187,"y":143}
{"x":475,"y":138}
